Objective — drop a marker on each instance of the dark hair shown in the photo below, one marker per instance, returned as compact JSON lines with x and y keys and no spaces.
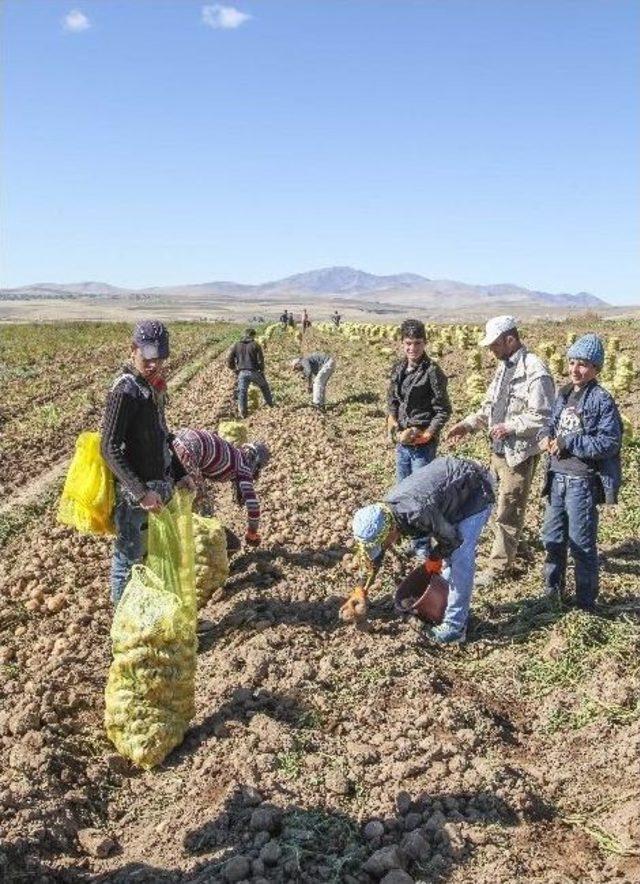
{"x":413,"y":328}
{"x":250,"y":332}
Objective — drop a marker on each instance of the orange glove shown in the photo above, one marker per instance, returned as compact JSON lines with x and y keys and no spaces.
{"x":355,"y":607}
{"x":422,"y":437}
{"x":433,"y":566}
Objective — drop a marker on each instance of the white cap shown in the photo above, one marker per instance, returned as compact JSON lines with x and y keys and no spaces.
{"x":495,"y":327}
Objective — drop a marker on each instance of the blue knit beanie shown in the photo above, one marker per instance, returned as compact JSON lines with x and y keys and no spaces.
{"x":371,"y":525}
{"x":588,"y":347}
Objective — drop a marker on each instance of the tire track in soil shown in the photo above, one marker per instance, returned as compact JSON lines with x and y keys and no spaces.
{"x":332,"y":724}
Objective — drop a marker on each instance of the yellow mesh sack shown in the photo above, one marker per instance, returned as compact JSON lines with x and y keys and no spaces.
{"x":254,"y":398}
{"x":149,"y":697}
{"x":211,"y":563}
{"x":88,"y":496}
{"x":233,"y":431}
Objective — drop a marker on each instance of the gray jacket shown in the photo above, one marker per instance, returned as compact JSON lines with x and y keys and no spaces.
{"x":433,"y":500}
{"x":530,"y":397}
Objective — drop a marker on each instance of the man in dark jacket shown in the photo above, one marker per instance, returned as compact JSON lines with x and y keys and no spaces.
{"x":247,"y":360}
{"x":136,"y":446}
{"x":419,"y":405}
{"x":447,"y":502}
{"x":583,"y":470}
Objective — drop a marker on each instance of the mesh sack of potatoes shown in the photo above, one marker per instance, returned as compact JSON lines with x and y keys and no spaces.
{"x":254,"y":399}
{"x":211,"y":563}
{"x":233,"y":431}
{"x":149,"y":697}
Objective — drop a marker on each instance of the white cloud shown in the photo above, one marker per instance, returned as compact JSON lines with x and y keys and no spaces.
{"x":75,"y":22}
{"x":224,"y":17}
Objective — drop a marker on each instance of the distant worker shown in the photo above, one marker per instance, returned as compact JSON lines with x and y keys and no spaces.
{"x":516,"y":408}
{"x":306,"y":322}
{"x":335,"y":318}
{"x":206,"y":456}
{"x":136,"y":446}
{"x":284,"y":319}
{"x":317,"y":368}
{"x":583,"y":470}
{"x":246,"y":358}
{"x":291,"y":320}
{"x":448,"y":502}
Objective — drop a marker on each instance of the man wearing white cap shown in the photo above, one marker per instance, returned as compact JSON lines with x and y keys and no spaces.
{"x":516,"y":407}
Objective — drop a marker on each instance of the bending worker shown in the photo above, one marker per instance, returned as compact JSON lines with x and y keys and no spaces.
{"x":449,"y":502}
{"x":317,"y":368}
{"x":205,"y":455}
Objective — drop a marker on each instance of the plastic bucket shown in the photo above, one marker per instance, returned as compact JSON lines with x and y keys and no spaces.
{"x":422,"y":594}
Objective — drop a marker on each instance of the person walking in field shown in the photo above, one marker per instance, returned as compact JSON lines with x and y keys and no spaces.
{"x":306,"y":322}
{"x":136,"y":446}
{"x":246,"y":359}
{"x":291,"y":320}
{"x":335,"y":318}
{"x":284,"y":319}
{"x":583,"y":470}
{"x":446,"y":503}
{"x":418,"y":405}
{"x":316,"y":368}
{"x":205,"y":456}
{"x":516,"y":408}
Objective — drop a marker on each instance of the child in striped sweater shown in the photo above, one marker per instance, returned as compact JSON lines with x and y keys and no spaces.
{"x":205,"y":455}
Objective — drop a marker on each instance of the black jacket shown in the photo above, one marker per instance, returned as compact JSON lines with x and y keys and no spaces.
{"x":135,"y":439}
{"x":246,"y":355}
{"x":433,"y":500}
{"x":420,"y":398}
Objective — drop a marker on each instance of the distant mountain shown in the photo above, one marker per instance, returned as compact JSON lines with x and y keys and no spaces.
{"x":335,"y":283}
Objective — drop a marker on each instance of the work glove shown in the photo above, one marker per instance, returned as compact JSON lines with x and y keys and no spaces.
{"x":433,"y":566}
{"x":405,"y":437}
{"x":252,"y":538}
{"x":392,"y":429}
{"x":355,"y":608}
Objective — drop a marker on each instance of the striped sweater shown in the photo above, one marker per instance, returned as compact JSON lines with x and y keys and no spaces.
{"x":206,"y":455}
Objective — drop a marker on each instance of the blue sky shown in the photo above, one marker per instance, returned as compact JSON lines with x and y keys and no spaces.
{"x":157,"y":142}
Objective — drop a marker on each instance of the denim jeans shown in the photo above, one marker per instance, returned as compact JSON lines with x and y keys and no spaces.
{"x":245,"y":379}
{"x":571,"y":521}
{"x":460,"y":571}
{"x":410,"y":458}
{"x":131,"y":523}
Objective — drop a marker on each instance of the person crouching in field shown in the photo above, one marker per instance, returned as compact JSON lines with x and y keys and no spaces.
{"x":317,"y":368}
{"x":447,"y":502}
{"x":419,"y":405}
{"x":136,"y":447}
{"x":583,"y":470}
{"x":205,"y":455}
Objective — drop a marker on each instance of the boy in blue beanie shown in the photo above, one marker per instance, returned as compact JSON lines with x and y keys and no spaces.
{"x":583,"y":470}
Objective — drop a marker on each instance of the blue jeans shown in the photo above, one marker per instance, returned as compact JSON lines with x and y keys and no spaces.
{"x":460,"y":571}
{"x":571,"y":521}
{"x":131,"y":523}
{"x":410,"y":458}
{"x":245,"y":379}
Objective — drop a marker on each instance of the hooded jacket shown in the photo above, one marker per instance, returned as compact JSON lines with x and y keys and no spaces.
{"x":432,"y":501}
{"x":246,"y":355}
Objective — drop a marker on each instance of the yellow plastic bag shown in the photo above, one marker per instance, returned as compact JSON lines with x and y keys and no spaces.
{"x":210,"y":557}
{"x":149,"y":697}
{"x":88,"y":496}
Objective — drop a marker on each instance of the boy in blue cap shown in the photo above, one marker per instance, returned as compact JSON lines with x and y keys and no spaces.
{"x":448,"y":502}
{"x":583,"y":443}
